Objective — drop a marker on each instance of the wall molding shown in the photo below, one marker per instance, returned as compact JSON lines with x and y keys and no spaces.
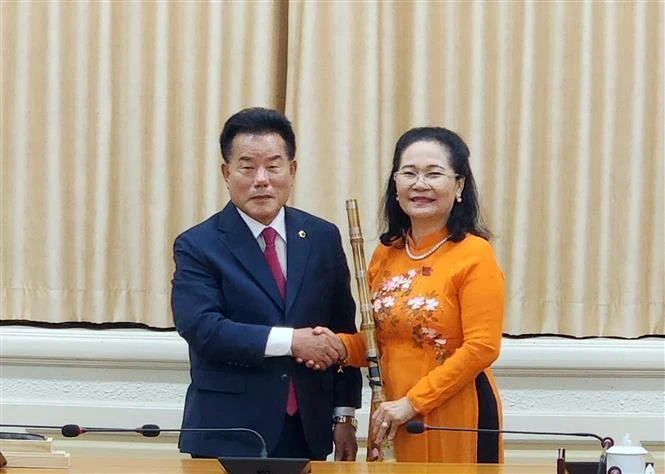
{"x":167,"y":350}
{"x":125,"y":378}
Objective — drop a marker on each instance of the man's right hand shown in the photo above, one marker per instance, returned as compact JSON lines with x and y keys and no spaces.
{"x":320,"y":347}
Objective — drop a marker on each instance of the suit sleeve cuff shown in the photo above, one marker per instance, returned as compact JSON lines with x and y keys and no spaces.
{"x":279,"y":342}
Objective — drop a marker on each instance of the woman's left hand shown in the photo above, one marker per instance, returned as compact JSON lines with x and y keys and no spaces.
{"x":389,"y":416}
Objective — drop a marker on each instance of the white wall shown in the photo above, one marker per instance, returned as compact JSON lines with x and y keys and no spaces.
{"x":126,"y":378}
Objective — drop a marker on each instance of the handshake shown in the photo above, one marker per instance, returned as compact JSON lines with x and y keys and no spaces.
{"x":317,"y":348}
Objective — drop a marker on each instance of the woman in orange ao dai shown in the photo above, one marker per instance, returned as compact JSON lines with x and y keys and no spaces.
{"x":438,"y":297}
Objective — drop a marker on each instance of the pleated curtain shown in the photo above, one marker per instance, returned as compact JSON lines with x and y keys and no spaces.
{"x":111,"y":113}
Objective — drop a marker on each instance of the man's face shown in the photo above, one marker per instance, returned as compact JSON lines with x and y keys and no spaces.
{"x":259,"y":175}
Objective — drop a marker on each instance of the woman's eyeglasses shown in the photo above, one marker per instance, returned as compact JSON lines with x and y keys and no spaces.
{"x":431,"y":178}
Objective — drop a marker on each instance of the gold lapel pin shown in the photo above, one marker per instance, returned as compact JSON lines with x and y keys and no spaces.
{"x":302,"y":234}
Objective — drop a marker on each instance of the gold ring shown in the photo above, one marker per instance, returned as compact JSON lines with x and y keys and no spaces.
{"x":385,"y":424}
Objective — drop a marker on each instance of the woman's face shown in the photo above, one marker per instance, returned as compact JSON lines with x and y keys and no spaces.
{"x":426,"y":183}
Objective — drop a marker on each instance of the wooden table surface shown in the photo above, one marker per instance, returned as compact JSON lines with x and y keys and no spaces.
{"x":119,"y":465}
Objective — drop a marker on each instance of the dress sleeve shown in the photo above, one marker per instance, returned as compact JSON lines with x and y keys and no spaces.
{"x":355,"y":343}
{"x":355,"y":349}
{"x":481,"y":296}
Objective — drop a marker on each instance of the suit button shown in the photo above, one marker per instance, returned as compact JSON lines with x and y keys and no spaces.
{"x":284,"y":377}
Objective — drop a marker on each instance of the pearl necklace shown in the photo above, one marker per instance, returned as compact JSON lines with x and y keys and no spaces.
{"x":428,"y":253}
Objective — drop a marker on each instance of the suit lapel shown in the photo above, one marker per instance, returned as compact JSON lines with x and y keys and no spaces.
{"x":298,"y":244}
{"x":239,"y":240}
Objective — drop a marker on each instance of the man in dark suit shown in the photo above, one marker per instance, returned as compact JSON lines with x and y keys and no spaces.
{"x":250,"y":284}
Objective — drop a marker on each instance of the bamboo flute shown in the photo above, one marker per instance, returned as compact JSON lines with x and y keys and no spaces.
{"x":367,"y":327}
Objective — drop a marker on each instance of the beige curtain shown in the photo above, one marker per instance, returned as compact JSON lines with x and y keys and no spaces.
{"x":111,"y":112}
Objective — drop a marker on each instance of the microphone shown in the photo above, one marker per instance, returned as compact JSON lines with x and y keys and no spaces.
{"x":417,"y":427}
{"x":148,"y":430}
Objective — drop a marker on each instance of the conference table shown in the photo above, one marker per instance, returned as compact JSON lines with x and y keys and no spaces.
{"x":120,"y":465}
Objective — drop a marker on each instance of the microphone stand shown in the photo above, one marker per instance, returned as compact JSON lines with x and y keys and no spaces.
{"x":231,"y":464}
{"x":148,"y":430}
{"x":418,"y":427}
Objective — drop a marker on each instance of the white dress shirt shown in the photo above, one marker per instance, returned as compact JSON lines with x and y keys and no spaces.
{"x":280,"y":338}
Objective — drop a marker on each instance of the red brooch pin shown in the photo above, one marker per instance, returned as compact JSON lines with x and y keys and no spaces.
{"x":426,"y":271}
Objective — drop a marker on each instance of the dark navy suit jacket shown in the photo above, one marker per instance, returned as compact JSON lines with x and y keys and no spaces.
{"x":225,"y":301}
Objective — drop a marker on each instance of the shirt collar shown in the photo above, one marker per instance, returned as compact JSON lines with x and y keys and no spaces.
{"x":256,"y":227}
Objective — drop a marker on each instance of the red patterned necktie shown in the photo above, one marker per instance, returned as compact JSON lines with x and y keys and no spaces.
{"x":269,"y":234}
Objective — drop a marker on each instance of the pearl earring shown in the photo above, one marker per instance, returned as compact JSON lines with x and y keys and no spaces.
{"x":459,"y":198}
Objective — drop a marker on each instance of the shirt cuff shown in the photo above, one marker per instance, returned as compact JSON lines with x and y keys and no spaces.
{"x":279,"y":342}
{"x":344,"y":411}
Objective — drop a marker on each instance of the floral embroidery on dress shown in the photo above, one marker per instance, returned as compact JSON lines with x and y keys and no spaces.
{"x":419,"y":311}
